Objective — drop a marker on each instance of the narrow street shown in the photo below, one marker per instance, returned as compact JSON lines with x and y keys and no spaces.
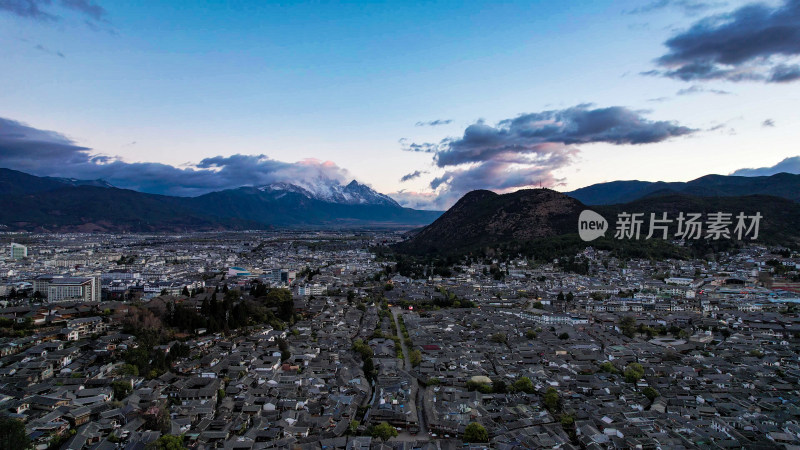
{"x":420,"y":390}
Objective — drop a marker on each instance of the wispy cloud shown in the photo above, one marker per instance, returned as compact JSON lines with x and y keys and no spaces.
{"x":696,"y":89}
{"x":44,"y":49}
{"x":433,"y":123}
{"x":424,"y":147}
{"x":29,"y":9}
{"x":688,"y":7}
{"x":756,"y":42}
{"x":421,"y":200}
{"x":94,"y":15}
{"x":90,"y":9}
{"x":412,"y":175}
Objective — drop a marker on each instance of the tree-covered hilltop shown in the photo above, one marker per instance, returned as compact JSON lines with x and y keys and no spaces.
{"x":543,"y":224}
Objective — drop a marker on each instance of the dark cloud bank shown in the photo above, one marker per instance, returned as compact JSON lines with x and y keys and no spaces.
{"x":526,"y":150}
{"x":48,"y":153}
{"x":756,"y":42}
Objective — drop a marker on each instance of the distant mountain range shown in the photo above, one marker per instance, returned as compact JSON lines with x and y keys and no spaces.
{"x":783,"y":185}
{"x":28,"y":202}
{"x":545,"y":222}
{"x":480,"y":219}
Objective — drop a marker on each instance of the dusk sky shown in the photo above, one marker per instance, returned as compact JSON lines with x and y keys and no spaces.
{"x":423,"y":101}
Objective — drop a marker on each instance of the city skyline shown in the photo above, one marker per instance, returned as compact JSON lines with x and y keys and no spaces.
{"x":422,"y":102}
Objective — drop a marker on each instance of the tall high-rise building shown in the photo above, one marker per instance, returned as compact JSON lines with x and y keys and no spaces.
{"x":18,"y":251}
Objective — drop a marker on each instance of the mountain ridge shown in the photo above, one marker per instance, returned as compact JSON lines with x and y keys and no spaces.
{"x":28,"y":202}
{"x":785,"y":185}
{"x":522,"y":220}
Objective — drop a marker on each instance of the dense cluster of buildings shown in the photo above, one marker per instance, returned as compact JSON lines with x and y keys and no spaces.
{"x":631,"y":354}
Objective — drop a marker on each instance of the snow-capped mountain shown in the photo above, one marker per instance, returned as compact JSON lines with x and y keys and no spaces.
{"x":332,"y":191}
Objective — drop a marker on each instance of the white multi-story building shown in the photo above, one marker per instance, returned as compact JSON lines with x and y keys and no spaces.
{"x":311,"y":289}
{"x":74,"y":289}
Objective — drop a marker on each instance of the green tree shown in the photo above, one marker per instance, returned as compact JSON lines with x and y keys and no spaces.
{"x":159,"y":421}
{"x":485,"y":388}
{"x":530,"y":334}
{"x":500,"y":338}
{"x":128,"y":369}
{"x":167,"y":442}
{"x":628,"y":326}
{"x":633,"y":372}
{"x":525,"y":385}
{"x":362,"y":348}
{"x":415,"y":357}
{"x":283,"y":346}
{"x":551,"y":399}
{"x":12,"y":434}
{"x":608,"y":367}
{"x":650,"y":393}
{"x":353,"y":427}
{"x":121,"y":389}
{"x":475,"y":432}
{"x":369,"y":369}
{"x":383,"y":431}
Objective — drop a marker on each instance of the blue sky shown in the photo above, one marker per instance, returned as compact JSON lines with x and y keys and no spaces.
{"x":355,"y":84}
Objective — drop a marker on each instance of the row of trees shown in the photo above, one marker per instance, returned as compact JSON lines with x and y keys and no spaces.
{"x":523,"y":385}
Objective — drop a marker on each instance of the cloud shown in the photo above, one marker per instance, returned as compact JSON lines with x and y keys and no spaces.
{"x":40,"y":9}
{"x":411,"y":176}
{"x":49,"y":153}
{"x":753,"y":43}
{"x":424,"y":147}
{"x":44,"y":49}
{"x":528,"y":149}
{"x":546,"y":133}
{"x":433,"y":123}
{"x":688,"y":7}
{"x":499,"y":175}
{"x":90,"y":9}
{"x":768,"y":123}
{"x":420,"y":200}
{"x":695,"y":89}
{"x":784,"y":73}
{"x":789,"y":165}
{"x":30,"y":9}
